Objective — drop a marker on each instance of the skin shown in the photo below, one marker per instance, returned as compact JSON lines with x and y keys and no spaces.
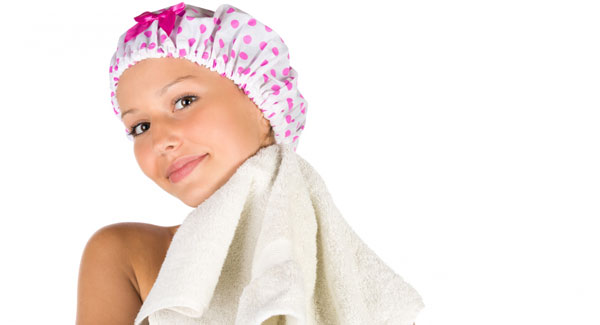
{"x":221,"y":121}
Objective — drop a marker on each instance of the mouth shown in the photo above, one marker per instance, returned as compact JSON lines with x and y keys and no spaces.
{"x":183,"y":167}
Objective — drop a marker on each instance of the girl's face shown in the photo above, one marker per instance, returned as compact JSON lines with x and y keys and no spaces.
{"x":201,"y":113}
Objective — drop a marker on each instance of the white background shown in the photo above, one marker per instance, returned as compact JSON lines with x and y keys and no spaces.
{"x":459,"y":139}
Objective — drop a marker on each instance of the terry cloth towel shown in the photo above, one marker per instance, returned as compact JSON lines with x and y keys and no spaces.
{"x":270,"y":247}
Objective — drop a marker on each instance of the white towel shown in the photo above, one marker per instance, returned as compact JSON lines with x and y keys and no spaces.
{"x":270,"y":247}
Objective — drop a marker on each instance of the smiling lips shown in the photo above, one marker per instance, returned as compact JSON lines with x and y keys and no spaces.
{"x":181,"y":167}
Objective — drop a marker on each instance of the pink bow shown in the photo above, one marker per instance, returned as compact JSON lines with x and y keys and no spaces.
{"x":166,"y":20}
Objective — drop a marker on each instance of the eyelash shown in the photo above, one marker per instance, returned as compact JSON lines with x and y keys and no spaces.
{"x":132,"y":128}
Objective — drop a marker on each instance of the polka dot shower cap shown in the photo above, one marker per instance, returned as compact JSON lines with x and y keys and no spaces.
{"x":228,"y":41}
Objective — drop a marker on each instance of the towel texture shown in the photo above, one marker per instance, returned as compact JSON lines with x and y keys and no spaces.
{"x":270,"y":247}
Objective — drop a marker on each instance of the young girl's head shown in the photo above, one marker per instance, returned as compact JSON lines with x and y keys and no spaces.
{"x":189,"y":83}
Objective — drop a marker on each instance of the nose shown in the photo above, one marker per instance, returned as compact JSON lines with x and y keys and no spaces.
{"x":165,"y":137}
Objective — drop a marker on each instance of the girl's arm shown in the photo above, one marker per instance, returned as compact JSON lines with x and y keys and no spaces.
{"x":106,"y":291}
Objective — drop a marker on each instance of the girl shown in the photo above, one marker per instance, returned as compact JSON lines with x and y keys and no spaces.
{"x":199,"y":93}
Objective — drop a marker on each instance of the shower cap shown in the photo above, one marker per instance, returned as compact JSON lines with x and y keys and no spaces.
{"x":228,"y":41}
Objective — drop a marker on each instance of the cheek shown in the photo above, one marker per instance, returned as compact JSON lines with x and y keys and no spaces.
{"x":143,"y":156}
{"x":209,"y":124}
{"x":194,"y":127}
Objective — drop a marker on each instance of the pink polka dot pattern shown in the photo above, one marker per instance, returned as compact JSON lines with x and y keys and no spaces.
{"x":208,"y":38}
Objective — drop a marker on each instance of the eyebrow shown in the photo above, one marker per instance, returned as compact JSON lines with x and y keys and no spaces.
{"x":161,"y":91}
{"x":164,"y":89}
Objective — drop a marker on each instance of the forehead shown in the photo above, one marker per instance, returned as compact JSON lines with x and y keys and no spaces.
{"x":148,"y":76}
{"x":152,"y":70}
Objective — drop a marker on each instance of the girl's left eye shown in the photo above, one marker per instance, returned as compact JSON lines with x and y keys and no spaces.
{"x":185,"y":99}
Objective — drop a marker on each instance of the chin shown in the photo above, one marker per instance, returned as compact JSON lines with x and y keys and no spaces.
{"x":191,"y":205}
{"x":193,"y":199}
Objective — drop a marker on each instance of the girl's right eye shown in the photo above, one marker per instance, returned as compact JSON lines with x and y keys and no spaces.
{"x":133,"y":132}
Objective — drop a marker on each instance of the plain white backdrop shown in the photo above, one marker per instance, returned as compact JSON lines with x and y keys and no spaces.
{"x":459,"y":139}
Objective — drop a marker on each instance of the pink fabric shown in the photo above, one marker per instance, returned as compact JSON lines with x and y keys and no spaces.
{"x":166,"y":20}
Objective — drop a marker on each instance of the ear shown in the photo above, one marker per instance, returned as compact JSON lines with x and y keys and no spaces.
{"x":268,"y":132}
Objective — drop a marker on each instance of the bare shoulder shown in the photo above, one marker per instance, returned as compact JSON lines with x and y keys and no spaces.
{"x":126,"y":239}
{"x":106,"y":286}
{"x":144,"y":238}
{"x":139,"y":243}
{"x":112,"y":262}
{"x":135,"y":236}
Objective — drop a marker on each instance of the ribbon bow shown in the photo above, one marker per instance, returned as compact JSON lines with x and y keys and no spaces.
{"x":166,"y":21}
